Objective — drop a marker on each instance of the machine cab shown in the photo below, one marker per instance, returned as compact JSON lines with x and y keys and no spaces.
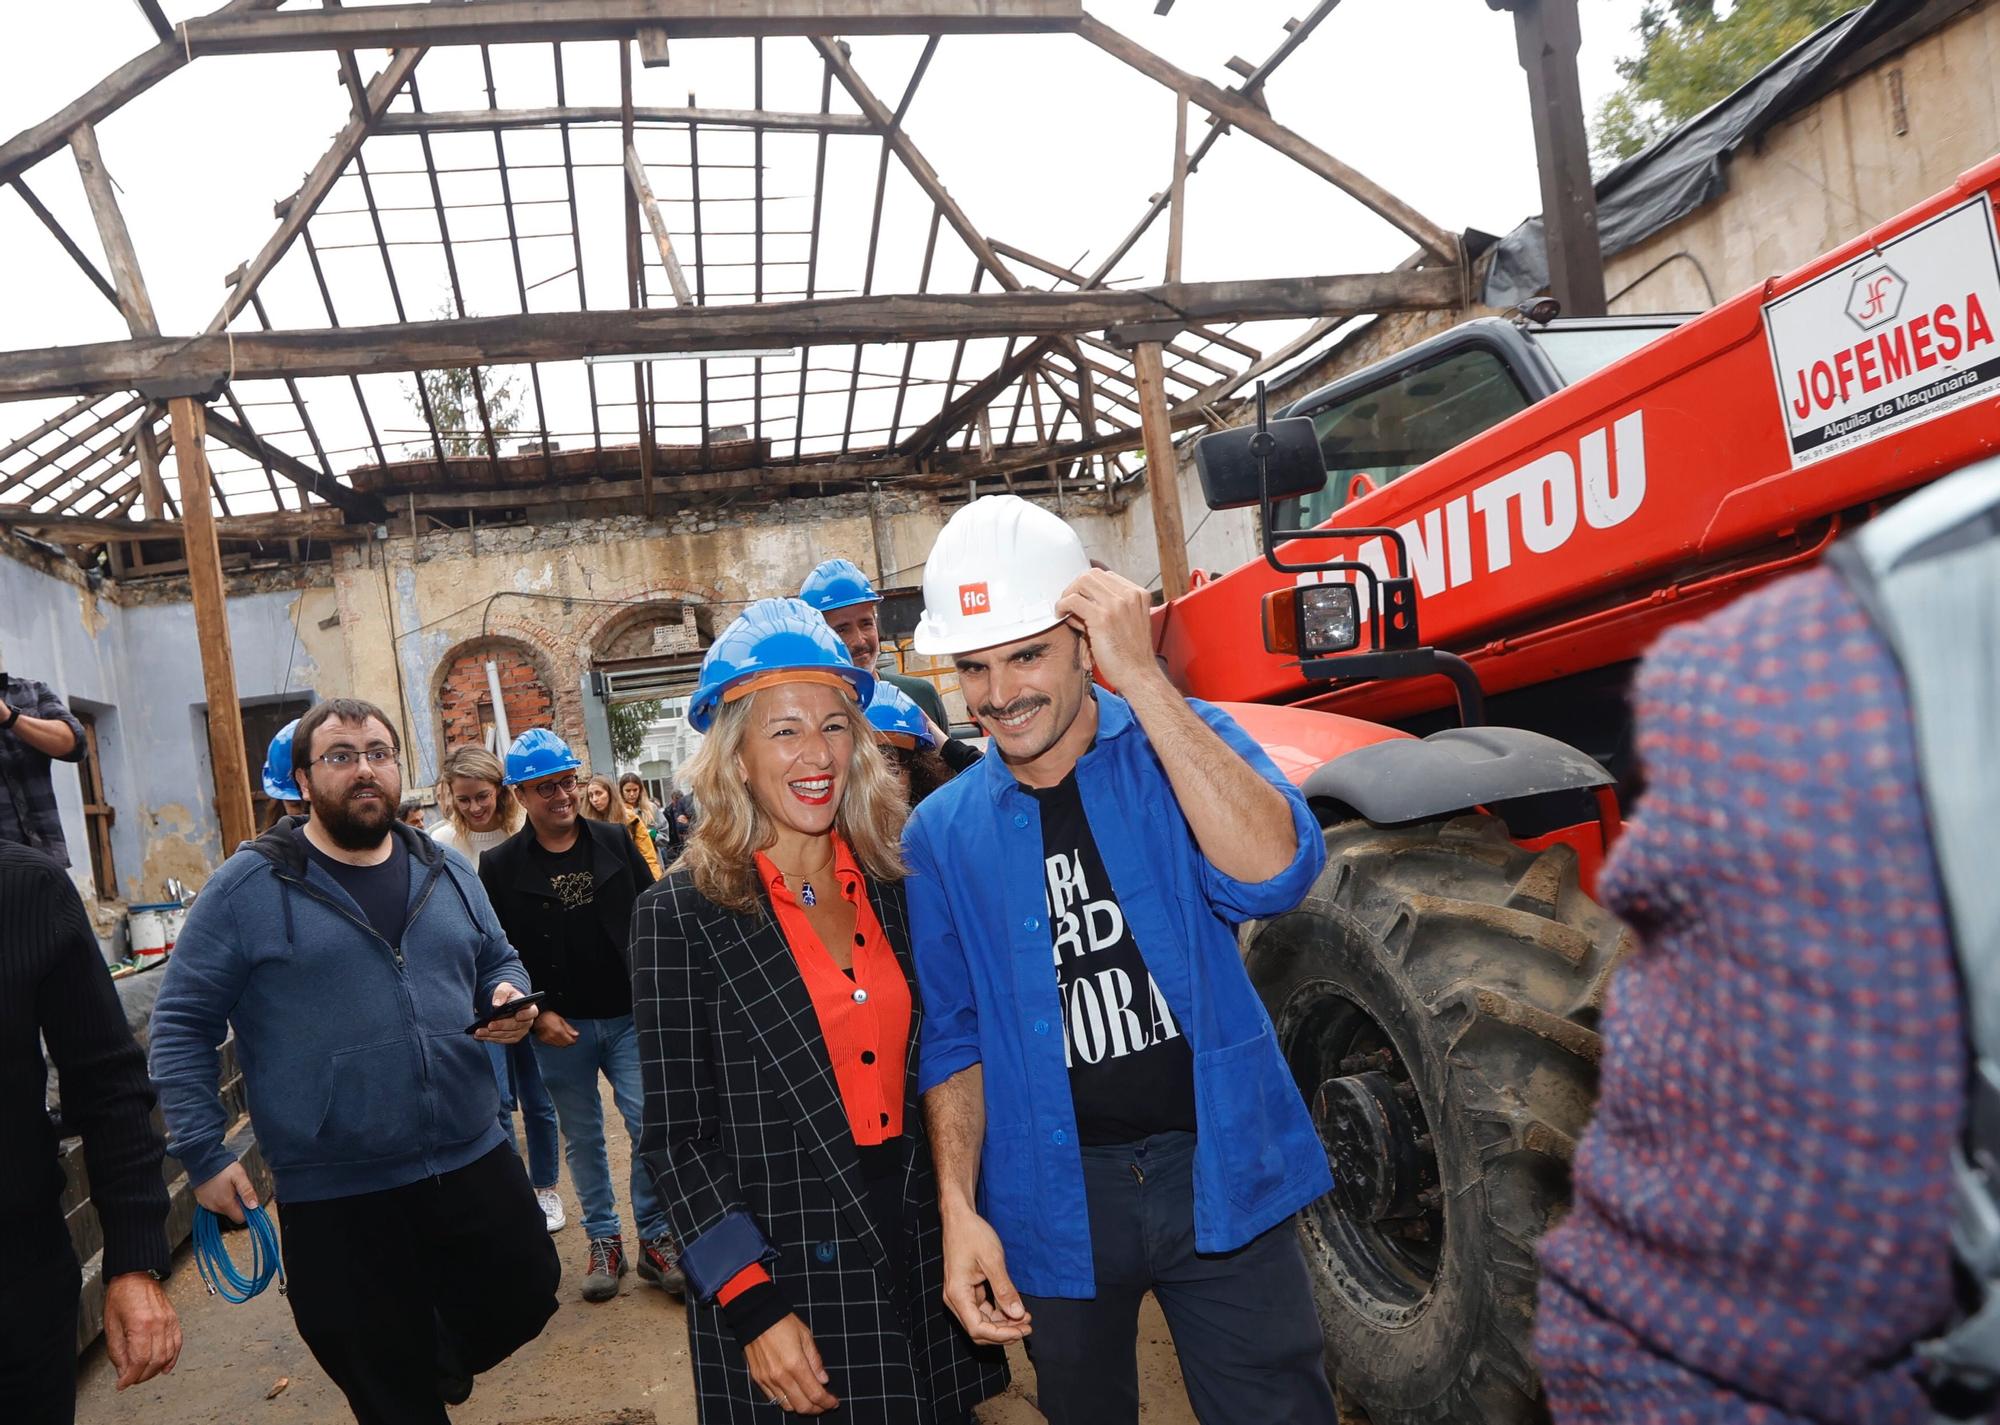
{"x":1383,"y":422}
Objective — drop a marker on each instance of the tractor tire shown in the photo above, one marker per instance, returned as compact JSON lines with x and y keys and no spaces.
{"x":1436,"y":996}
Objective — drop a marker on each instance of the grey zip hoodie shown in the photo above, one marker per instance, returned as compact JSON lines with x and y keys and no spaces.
{"x":358,"y":1071}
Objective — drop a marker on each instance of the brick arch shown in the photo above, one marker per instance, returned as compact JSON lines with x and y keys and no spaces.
{"x":528,"y":687}
{"x":627,"y":632}
{"x":651,"y":598}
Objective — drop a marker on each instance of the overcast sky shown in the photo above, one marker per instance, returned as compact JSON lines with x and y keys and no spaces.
{"x":1046,"y":142}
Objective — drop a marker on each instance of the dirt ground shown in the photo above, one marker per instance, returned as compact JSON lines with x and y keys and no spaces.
{"x":624,"y":1362}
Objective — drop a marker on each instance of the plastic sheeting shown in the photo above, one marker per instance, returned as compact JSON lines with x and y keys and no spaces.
{"x":1685,"y":170}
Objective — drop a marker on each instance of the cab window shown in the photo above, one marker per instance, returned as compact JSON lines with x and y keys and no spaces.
{"x":1389,"y":430}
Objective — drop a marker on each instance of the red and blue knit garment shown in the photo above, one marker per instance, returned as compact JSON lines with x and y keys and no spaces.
{"x":1762,"y":1203}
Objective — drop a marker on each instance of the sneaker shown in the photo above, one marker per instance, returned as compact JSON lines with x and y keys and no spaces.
{"x":660,"y":1264}
{"x":552,"y":1209}
{"x":607,"y":1264}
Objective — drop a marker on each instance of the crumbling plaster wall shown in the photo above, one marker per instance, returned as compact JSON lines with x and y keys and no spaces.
{"x":135,"y":663}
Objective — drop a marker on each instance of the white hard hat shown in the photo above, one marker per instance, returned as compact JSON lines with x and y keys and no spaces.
{"x":994,"y":576}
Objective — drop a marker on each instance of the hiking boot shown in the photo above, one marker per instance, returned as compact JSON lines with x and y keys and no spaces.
{"x":552,"y":1208}
{"x":660,"y":1264}
{"x":607,"y":1264}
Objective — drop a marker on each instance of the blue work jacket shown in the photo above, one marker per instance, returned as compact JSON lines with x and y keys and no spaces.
{"x":980,"y":940}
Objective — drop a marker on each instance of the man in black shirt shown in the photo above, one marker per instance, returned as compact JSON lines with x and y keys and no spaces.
{"x":1131,"y":1073}
{"x":54,"y":987}
{"x":563,"y":887}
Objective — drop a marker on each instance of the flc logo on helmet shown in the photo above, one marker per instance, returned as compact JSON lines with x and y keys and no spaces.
{"x":972,"y":599}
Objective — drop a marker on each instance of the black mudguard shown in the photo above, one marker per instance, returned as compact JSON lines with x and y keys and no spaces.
{"x":1451,"y":771}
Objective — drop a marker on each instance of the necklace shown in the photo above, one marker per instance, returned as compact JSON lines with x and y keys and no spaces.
{"x":807,"y":897}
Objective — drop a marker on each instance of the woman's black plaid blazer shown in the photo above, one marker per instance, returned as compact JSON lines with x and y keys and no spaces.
{"x":743,"y":1119}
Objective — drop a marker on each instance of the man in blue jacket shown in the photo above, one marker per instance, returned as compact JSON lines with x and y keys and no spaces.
{"x":349,"y":954}
{"x":1123,"y":1112}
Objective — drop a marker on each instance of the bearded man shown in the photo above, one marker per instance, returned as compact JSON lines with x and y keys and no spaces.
{"x":349,"y":955}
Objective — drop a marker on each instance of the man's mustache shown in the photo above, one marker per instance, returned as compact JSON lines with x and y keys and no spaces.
{"x":1015,"y":708}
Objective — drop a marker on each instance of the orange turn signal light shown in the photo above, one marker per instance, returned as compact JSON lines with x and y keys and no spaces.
{"x":1312,"y":620}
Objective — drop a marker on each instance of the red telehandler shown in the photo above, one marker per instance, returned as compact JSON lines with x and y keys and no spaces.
{"x":1466,"y":549}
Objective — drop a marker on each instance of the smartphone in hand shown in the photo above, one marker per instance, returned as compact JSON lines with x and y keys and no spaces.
{"x":504,"y":1011}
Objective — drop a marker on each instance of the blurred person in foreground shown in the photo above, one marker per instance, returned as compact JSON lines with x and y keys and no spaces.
{"x":349,"y":955}
{"x":1762,"y":1231}
{"x":778,"y":1027}
{"x":56,"y":990}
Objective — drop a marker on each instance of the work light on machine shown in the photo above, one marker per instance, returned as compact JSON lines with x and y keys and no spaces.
{"x":1312,"y":620}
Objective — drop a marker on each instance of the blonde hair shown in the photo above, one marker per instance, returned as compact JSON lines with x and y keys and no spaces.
{"x":614,"y":809}
{"x":733,"y":828}
{"x":476,"y":764}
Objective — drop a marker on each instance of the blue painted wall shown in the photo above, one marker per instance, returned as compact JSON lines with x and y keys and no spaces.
{"x":138,"y":670}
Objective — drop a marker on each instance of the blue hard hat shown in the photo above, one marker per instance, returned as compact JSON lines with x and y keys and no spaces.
{"x":538,"y":753}
{"x":890,"y":712}
{"x":772,"y":636}
{"x":837,"y":584}
{"x":279,"y":784}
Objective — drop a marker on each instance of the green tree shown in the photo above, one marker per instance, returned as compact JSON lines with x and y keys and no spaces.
{"x":628,"y":726}
{"x":1690,"y":56}
{"x":454,"y":405}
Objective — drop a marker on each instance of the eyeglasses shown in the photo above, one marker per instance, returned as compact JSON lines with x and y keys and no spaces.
{"x":342,"y":758}
{"x":548,"y":791}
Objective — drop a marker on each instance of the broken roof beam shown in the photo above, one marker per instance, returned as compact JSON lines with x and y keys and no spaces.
{"x":288,"y":524}
{"x":133,"y":301}
{"x":342,"y":497}
{"x":889,"y":122}
{"x":299,"y":208}
{"x":499,"y":22}
{"x":642,"y":189}
{"x":1241,"y":113}
{"x":480,"y":120}
{"x":153,"y":363}
{"x":127,"y":82}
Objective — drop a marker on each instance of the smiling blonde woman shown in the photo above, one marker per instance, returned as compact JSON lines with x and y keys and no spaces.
{"x":778,"y":1024}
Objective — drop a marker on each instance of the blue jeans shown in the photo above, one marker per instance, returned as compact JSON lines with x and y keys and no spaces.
{"x":609,"y":1046}
{"x":1243,"y":1322}
{"x":519,"y":1079}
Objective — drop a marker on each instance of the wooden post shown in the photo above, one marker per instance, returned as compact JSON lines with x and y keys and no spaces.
{"x":227,"y":757}
{"x":1162,"y":469}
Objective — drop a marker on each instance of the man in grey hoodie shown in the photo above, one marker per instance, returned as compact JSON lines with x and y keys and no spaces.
{"x":349,"y":954}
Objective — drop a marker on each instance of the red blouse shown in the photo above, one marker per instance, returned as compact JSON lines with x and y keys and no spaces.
{"x":864,"y":1014}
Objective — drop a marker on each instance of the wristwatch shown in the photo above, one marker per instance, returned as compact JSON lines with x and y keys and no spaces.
{"x":13,"y":716}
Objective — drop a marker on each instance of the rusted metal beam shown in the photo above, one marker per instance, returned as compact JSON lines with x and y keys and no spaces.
{"x":499,"y":22}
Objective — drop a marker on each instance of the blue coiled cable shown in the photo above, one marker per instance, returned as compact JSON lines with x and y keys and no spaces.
{"x":218,"y":1268}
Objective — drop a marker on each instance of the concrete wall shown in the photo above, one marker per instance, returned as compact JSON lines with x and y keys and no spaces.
{"x":1831,"y":171}
{"x":137,"y":667}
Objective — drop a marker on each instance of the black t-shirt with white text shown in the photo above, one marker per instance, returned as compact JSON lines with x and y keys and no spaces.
{"x":569,"y":954}
{"x":1131,"y":1072}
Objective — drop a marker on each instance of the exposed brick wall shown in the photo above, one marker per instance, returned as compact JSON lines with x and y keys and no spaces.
{"x":528,"y":700}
